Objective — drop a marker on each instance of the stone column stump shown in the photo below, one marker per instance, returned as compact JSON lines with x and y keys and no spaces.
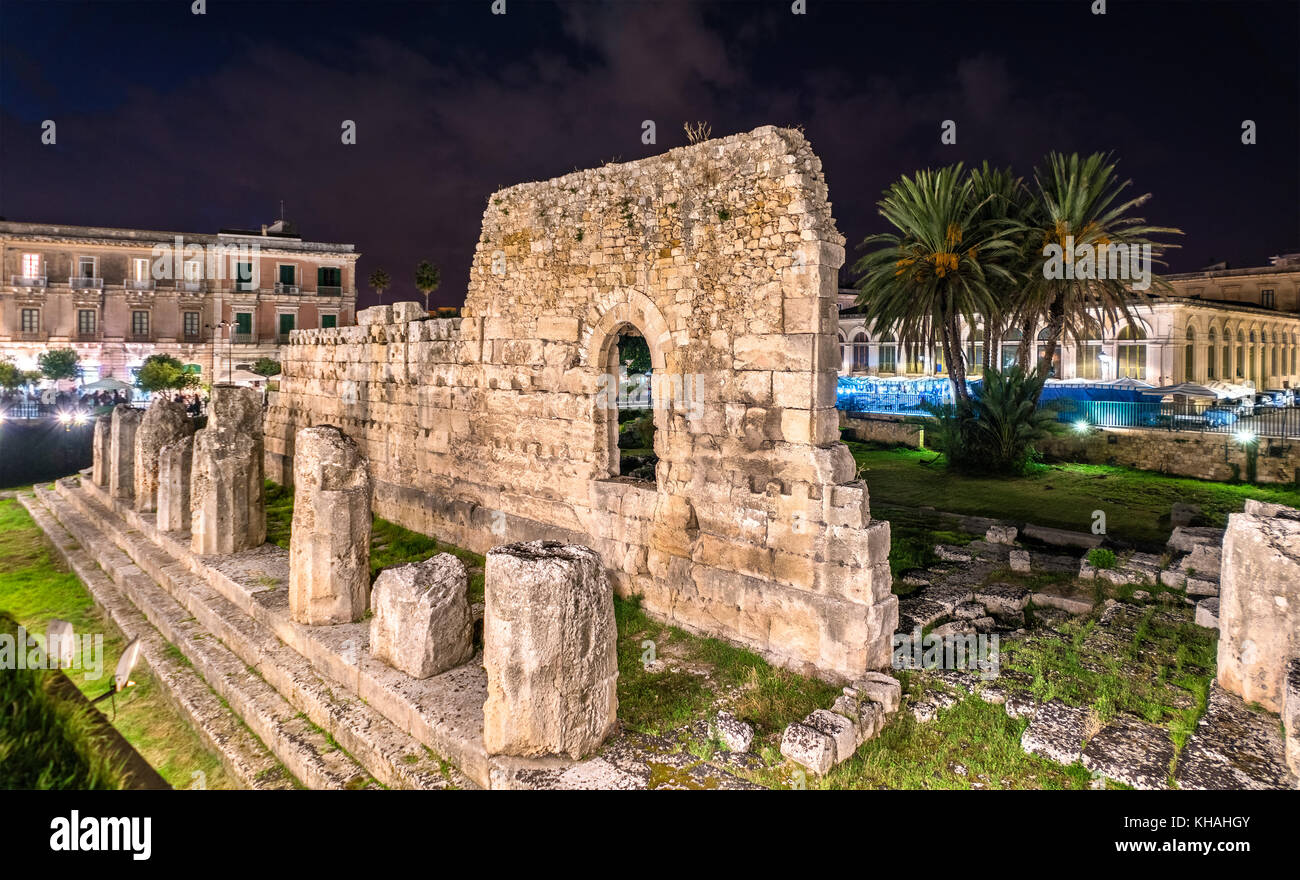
{"x":121,"y":451}
{"x":175,"y":462}
{"x":165,"y":422}
{"x":1259,"y":602}
{"x":422,"y":623}
{"x":329,"y":548}
{"x":101,"y":451}
{"x":549,"y":649}
{"x":227,"y":500}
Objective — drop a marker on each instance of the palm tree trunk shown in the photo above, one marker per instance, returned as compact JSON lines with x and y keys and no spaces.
{"x":993,"y":345}
{"x":952,"y":356}
{"x":1025,"y":351}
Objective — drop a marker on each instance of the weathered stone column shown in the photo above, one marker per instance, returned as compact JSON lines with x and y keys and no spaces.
{"x":121,"y":451}
{"x":227,"y":501}
{"x":329,"y":547}
{"x":549,"y":648}
{"x":1259,"y":602}
{"x":165,"y":422}
{"x":175,"y":461}
{"x":101,"y":451}
{"x":422,"y":622}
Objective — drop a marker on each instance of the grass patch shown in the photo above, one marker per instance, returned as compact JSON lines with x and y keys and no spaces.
{"x":1136,"y":503}
{"x":35,"y":588}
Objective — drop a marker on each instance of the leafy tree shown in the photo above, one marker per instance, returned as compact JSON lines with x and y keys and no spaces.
{"x":11,"y":378}
{"x":1078,"y":201}
{"x":162,"y":372}
{"x":947,"y":261}
{"x":427,"y":278}
{"x":379,"y":282}
{"x":31,"y":377}
{"x":59,"y":363}
{"x":265,"y":367}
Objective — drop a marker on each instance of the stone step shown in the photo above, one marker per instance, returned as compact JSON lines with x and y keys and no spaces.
{"x":244,"y":756}
{"x":327,"y":737}
{"x":444,"y":713}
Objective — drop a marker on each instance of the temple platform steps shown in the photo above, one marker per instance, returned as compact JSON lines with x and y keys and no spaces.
{"x":321,"y":731}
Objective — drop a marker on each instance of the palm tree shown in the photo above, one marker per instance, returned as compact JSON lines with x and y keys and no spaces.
{"x":1078,"y":202}
{"x":427,"y":279}
{"x":944,"y":264}
{"x":379,"y":282}
{"x":1004,"y":201}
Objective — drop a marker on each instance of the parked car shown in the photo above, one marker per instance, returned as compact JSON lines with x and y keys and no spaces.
{"x":1264,"y":399}
{"x":1282,"y":396}
{"x":1218,"y":416}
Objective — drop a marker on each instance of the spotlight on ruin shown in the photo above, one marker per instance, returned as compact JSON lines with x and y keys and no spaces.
{"x":1245,"y":437}
{"x":1081,"y":426}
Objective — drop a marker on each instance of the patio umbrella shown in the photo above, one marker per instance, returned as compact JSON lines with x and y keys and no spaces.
{"x":107,"y":384}
{"x":1187,"y":389}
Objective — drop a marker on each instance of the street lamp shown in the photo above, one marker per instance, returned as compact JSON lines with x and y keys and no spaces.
{"x":230,"y":345}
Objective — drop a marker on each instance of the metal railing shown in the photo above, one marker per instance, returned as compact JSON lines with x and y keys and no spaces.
{"x":243,"y":338}
{"x":282,"y":338}
{"x":25,"y":281}
{"x":191,"y":286}
{"x":138,"y":283}
{"x":1208,"y":418}
{"x":281,"y":287}
{"x":88,"y":336}
{"x":328,"y":290}
{"x":86,"y":282}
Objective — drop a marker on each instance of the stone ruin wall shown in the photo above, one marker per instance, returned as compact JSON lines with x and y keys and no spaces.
{"x":494,"y":427}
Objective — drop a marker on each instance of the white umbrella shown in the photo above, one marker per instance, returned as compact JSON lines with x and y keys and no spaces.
{"x":107,"y":384}
{"x":1187,"y":389}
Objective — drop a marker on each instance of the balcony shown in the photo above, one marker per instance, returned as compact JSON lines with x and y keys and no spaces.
{"x":32,"y":336}
{"x":27,"y":281}
{"x":189,"y":286}
{"x":147,"y":336}
{"x":193,"y":338}
{"x":244,"y":287}
{"x":328,"y":290}
{"x":138,"y":284}
{"x":88,"y":336}
{"x":281,"y":287}
{"x":85,"y":282}
{"x":282,"y":338}
{"x":243,"y":338}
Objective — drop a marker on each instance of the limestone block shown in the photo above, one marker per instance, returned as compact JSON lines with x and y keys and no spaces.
{"x":809,"y":747}
{"x":841,"y":730}
{"x":175,"y":463}
{"x":999,"y":534}
{"x":101,"y":451}
{"x":227,"y":498}
{"x":1020,"y":561}
{"x":165,"y":422}
{"x":549,"y":649}
{"x":1259,"y":604}
{"x":329,"y":547}
{"x":404,"y":312}
{"x":422,"y":621}
{"x":1207,"y":613}
{"x":883,"y":689}
{"x":121,"y":452}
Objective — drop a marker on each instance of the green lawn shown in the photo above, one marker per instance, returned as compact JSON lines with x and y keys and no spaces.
{"x":1136,"y":503}
{"x":34,"y":588}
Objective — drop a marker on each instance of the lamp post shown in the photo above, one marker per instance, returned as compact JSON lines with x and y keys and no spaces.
{"x":230,"y":345}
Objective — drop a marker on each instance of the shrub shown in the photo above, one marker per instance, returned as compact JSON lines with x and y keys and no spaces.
{"x":996,"y":431}
{"x":1100,"y":557}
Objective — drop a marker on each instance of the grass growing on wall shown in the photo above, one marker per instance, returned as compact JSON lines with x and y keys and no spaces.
{"x":34,"y":588}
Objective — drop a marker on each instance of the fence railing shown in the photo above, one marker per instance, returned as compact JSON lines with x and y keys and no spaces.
{"x":1211,"y":418}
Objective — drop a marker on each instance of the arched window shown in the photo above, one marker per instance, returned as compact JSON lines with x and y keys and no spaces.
{"x":888,"y":354}
{"x":861,"y":352}
{"x":1210,"y":355}
{"x":1010,"y":348}
{"x":1241,"y":355}
{"x":1131,"y":353}
{"x":632,"y":424}
{"x":1189,"y":356}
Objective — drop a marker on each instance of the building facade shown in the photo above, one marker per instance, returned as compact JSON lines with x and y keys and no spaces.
{"x":1229,"y":325}
{"x":213,"y":301}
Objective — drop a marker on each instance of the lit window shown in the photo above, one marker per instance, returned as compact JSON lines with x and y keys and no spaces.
{"x":31,"y":265}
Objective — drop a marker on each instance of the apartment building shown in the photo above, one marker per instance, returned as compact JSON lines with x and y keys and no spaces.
{"x":214,"y":301}
{"x":1230,"y":325}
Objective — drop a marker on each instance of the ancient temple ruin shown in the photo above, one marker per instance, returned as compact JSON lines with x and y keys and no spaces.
{"x":500,"y":426}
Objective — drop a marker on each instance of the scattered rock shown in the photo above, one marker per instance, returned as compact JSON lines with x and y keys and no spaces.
{"x":1019,"y":560}
{"x":1001,"y":534}
{"x":1056,"y":732}
{"x":881,"y":688}
{"x":1133,"y":752}
{"x":422,"y":623}
{"x":1019,"y":705}
{"x":969,"y":610}
{"x":1184,"y":538}
{"x":1183,"y":514}
{"x":808,"y":747}
{"x":1207,"y":613}
{"x":949,"y":553}
{"x":734,"y":734}
{"x":1234,"y":747}
{"x":1002,"y":599}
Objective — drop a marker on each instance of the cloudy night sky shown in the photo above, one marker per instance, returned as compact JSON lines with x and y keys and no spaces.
{"x":174,"y":121}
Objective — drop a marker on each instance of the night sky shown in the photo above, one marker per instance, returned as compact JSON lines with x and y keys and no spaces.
{"x":175,"y":121}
